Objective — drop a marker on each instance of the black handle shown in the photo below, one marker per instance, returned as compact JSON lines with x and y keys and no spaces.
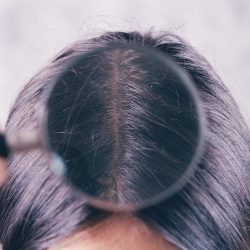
{"x":4,"y":149}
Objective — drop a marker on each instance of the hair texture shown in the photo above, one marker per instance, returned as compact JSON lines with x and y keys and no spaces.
{"x":209,"y":212}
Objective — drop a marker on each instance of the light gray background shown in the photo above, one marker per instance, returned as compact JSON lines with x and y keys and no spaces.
{"x":33,"y":31}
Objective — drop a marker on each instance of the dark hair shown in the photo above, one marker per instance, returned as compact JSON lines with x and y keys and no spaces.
{"x":210,"y":212}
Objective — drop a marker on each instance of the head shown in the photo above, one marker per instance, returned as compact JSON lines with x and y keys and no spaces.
{"x":39,"y":211}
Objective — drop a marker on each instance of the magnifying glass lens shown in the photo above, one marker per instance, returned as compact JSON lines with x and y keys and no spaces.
{"x":129,"y":133}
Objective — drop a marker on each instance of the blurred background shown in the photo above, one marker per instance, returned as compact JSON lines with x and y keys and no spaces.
{"x":32,"y":32}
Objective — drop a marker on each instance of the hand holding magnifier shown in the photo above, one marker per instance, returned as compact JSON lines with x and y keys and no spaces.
{"x":3,"y":171}
{"x":63,"y":131}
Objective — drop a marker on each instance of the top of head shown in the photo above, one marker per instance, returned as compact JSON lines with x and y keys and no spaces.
{"x":128,"y":124}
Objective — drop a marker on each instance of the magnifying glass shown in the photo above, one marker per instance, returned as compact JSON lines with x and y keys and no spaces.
{"x":99,"y":173}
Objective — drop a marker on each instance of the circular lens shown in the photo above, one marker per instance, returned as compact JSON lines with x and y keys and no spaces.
{"x":128,"y":125}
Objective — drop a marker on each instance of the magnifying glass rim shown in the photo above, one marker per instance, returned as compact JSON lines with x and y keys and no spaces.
{"x":184,"y":76}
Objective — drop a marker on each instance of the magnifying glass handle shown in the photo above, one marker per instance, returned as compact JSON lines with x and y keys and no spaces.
{"x":4,"y":149}
{"x":22,"y":141}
